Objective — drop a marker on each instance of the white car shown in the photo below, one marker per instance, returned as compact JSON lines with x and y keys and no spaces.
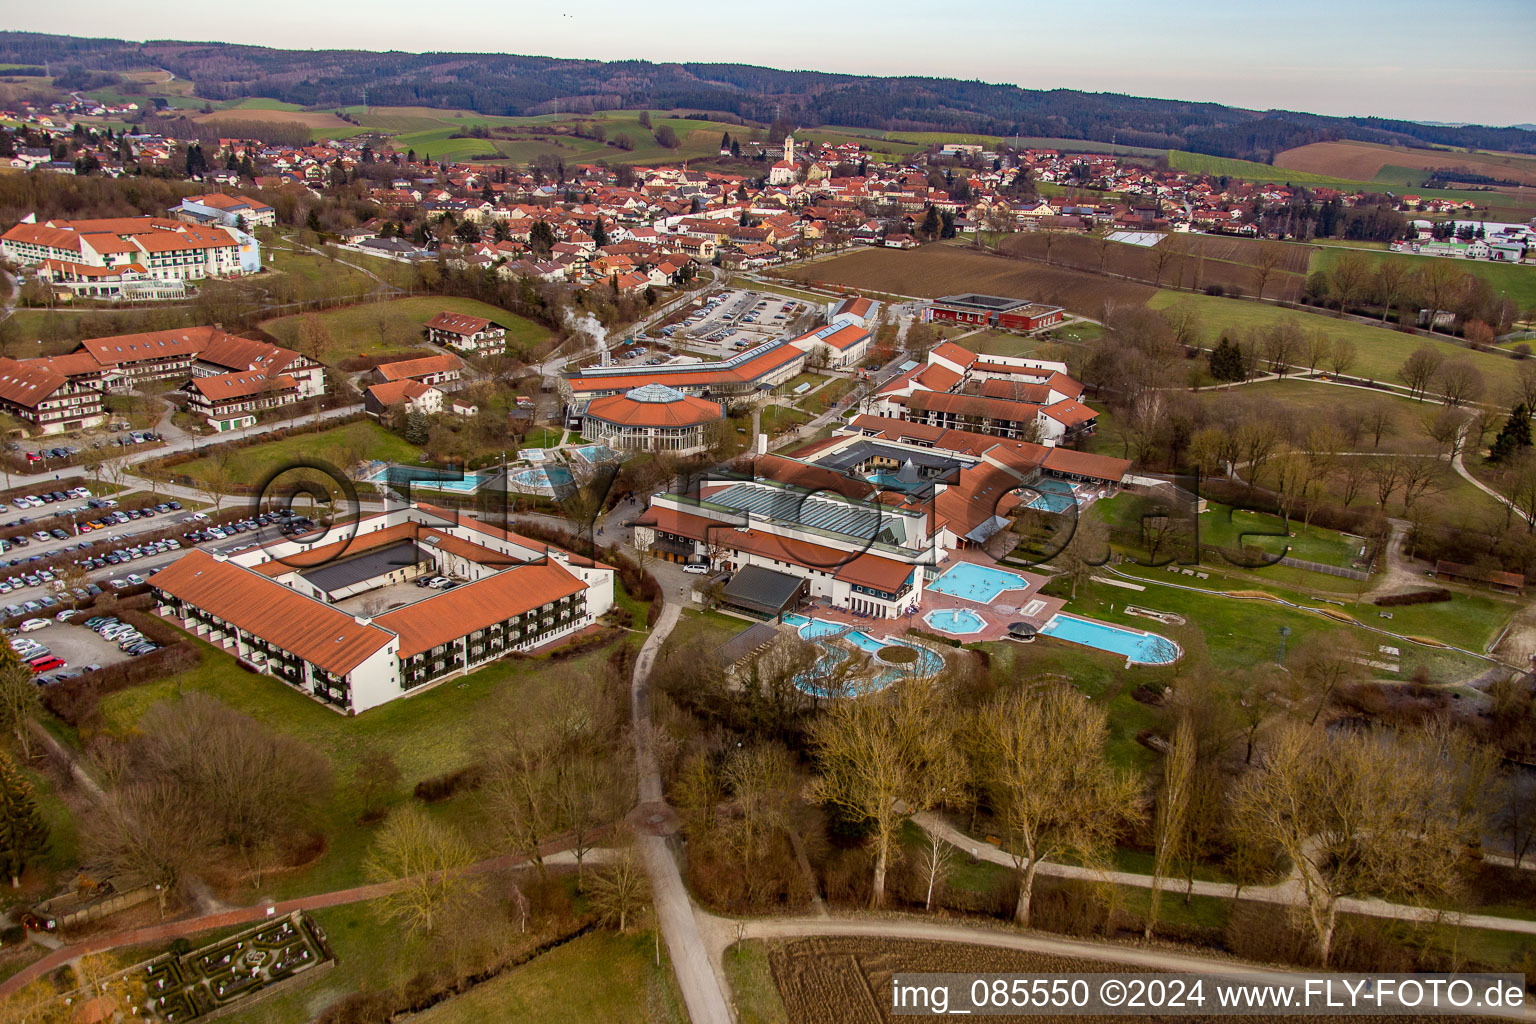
{"x":118,"y":584}
{"x":33,"y":624}
{"x":697,"y":569}
{"x":135,"y":579}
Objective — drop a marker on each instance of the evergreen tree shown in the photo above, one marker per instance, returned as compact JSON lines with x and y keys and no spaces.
{"x":725,"y":141}
{"x":735,"y":149}
{"x":947,"y":230}
{"x":599,"y":234}
{"x":541,"y":238}
{"x":1513,"y":436}
{"x":23,"y":833}
{"x":1226,"y":361}
{"x":931,"y":224}
{"x":418,"y":429}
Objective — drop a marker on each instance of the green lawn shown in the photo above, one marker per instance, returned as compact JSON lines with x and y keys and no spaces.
{"x":753,"y":991}
{"x":311,"y":276}
{"x":601,"y":976}
{"x":363,"y":440}
{"x":998,"y":343}
{"x":1248,"y":170}
{"x":1380,"y":351}
{"x":1236,"y":528}
{"x":398,"y":325}
{"x":1514,"y":280}
{"x":433,"y":732}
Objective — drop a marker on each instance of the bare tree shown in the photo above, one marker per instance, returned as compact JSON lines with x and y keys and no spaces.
{"x":1319,"y":348}
{"x":1322,"y":663}
{"x":1049,"y":783}
{"x":1419,"y":477}
{"x":934,"y":864}
{"x":882,"y":759}
{"x":426,"y":861}
{"x":620,"y":893}
{"x":1357,"y":815}
{"x":1341,"y":356}
{"x":1391,"y":279}
{"x":1514,"y":813}
{"x":1419,"y":369}
{"x":20,"y":699}
{"x":1349,"y":277}
{"x":1446,"y":427}
{"x":1172,"y":809}
{"x":1265,"y":265}
{"x":1437,"y":282}
{"x":1459,"y":381}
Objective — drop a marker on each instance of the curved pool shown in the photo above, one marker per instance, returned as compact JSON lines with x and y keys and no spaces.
{"x":826,"y":635}
{"x":959,"y":621}
{"x":1137,"y":647}
{"x":978,"y":583}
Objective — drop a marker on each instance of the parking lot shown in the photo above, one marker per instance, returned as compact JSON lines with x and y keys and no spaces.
{"x":79,"y":647}
{"x":734,"y":320}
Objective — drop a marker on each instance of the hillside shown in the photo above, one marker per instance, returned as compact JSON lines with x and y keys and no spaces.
{"x":513,"y":85}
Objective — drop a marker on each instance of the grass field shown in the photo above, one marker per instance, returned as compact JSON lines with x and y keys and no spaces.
{"x":1380,"y":351}
{"x":364,"y":439}
{"x":1514,"y":280}
{"x":1249,"y":170}
{"x":397,"y":325}
{"x":524,"y":139}
{"x":998,"y":343}
{"x":429,"y":733}
{"x":598,"y":977}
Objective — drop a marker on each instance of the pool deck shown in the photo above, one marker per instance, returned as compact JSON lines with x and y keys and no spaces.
{"x":997,"y":621}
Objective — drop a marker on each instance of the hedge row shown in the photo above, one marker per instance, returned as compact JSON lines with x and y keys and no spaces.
{"x":1414,"y":597}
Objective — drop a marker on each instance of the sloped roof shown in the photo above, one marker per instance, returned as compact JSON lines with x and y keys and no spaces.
{"x":453,"y":613}
{"x":442,"y":363}
{"x":654,"y":405}
{"x":310,"y":629}
{"x":224,"y":387}
{"x":28,"y":384}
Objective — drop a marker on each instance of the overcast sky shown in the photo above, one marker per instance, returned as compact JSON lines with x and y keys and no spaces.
{"x":1463,"y":61}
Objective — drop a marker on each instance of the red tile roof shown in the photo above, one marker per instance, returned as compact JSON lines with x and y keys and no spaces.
{"x":453,"y":613}
{"x":310,"y":629}
{"x":684,"y":411}
{"x":1099,"y":467}
{"x":444,"y":363}
{"x":27,"y":384}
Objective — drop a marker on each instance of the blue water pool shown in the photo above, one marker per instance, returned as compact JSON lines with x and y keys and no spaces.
{"x":821,"y":631}
{"x":1136,"y":647}
{"x":542,"y":476}
{"x":1055,"y":496}
{"x":977,"y":583}
{"x":958,"y":621}
{"x":420,"y":477}
{"x":595,"y":453}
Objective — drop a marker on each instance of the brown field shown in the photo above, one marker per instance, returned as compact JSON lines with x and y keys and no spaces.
{"x":1362,"y":161}
{"x":936,"y":270}
{"x":1200,"y":261}
{"x":315,"y":120}
{"x":848,"y":980}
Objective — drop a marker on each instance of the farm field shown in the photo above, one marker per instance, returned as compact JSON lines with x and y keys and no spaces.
{"x":321,"y":124}
{"x":1363,"y":161}
{"x":377,"y":328}
{"x":1515,"y":280}
{"x":936,"y":270}
{"x":1188,"y":261}
{"x":1249,"y":170}
{"x":1379,"y":351}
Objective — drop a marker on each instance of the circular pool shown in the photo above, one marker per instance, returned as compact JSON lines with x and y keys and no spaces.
{"x":957,"y":621}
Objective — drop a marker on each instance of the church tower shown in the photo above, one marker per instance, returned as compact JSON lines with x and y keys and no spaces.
{"x":789,"y":148}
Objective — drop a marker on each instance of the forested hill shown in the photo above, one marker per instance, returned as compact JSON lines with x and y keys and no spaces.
{"x":506,"y":84}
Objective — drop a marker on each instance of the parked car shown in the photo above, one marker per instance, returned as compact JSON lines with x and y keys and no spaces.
{"x":34,"y":624}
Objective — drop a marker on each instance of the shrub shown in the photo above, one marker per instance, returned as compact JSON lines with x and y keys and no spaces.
{"x":1432,"y":596}
{"x":1215,"y":289}
{"x":1522,"y":351}
{"x":441,"y":787}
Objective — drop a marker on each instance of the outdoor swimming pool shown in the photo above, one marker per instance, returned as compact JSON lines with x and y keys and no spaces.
{"x":423,"y":478}
{"x":958,"y":621}
{"x":1136,"y":647}
{"x":1055,"y":496}
{"x":819,"y":629}
{"x":550,"y":479}
{"x":594,"y":453}
{"x":977,"y":582}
